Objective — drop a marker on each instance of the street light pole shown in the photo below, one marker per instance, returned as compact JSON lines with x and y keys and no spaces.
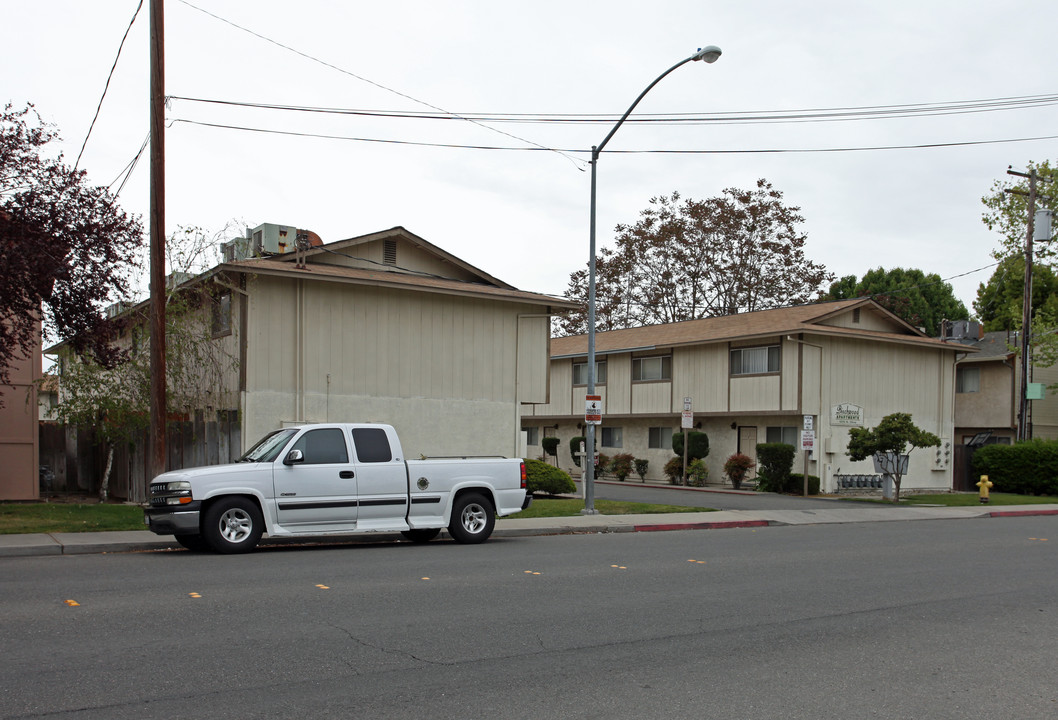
{"x":709,"y":54}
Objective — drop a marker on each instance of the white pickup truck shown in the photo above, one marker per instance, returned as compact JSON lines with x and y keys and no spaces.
{"x":333,"y":479}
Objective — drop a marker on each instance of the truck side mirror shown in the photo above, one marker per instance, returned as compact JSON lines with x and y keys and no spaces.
{"x":293,"y":457}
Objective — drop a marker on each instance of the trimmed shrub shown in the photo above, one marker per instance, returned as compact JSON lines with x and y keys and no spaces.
{"x":548,"y":479}
{"x":1026,"y":468}
{"x":697,"y":445}
{"x":674,"y":470}
{"x":603,"y":466}
{"x":796,"y":484}
{"x":550,"y":445}
{"x":737,"y":467}
{"x":697,"y":473}
{"x":641,"y":468}
{"x":775,"y":461}
{"x":621,"y":465}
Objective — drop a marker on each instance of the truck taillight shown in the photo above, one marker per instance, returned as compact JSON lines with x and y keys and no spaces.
{"x":525,"y":476}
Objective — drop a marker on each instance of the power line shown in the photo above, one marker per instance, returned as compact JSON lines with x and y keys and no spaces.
{"x":105,"y":87}
{"x":716,"y":118}
{"x":379,"y":85}
{"x":757,"y":151}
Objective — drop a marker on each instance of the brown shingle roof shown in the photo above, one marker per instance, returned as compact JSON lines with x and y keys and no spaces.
{"x":384,"y":278}
{"x":746,"y":326}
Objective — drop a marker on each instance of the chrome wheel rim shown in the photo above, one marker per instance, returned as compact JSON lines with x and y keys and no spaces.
{"x":474,"y":518}
{"x":236,"y":525}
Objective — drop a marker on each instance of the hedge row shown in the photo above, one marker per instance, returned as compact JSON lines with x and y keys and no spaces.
{"x":1027,"y":468}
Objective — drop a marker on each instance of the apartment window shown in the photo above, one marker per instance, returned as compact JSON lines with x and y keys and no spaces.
{"x":532,"y":435}
{"x":580,"y":373}
{"x":659,"y":438}
{"x":755,"y":361}
{"x":652,"y":368}
{"x":786,"y":435}
{"x":967,"y":380}
{"x":612,"y":437}
{"x":221,"y":320}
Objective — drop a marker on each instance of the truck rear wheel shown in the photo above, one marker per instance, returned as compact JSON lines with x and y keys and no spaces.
{"x":472,"y":519}
{"x":233,"y":525}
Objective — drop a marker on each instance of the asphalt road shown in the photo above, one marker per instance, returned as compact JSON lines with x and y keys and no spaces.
{"x":931,"y":619}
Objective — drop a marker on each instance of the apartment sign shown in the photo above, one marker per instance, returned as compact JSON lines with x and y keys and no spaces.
{"x":846,"y":414}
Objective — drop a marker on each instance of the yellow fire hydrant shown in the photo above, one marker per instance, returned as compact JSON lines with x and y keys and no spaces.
{"x":984,"y":484}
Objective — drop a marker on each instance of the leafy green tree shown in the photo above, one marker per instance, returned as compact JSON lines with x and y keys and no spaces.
{"x":894,"y":434}
{"x":998,"y":303}
{"x":687,"y":259}
{"x":1008,"y":213}
{"x":920,"y":299}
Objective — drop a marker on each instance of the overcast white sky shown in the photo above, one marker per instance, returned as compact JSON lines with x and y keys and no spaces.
{"x":523,"y":215}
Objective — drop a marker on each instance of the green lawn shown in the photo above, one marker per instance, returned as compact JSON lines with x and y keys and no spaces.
{"x":68,"y":517}
{"x":569,"y":507}
{"x":968,"y":499}
{"x":964,"y":499}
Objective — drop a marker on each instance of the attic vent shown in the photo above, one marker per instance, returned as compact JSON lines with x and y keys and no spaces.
{"x":856,"y":315}
{"x":389,"y":252}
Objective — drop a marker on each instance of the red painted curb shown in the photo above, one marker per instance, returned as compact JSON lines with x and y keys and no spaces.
{"x":703,"y":525}
{"x":1016,"y":513}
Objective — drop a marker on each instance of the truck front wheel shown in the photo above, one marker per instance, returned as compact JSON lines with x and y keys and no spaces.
{"x":233,"y":525}
{"x":472,"y":519}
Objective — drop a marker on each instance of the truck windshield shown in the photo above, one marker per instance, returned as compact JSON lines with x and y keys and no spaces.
{"x":268,"y":448}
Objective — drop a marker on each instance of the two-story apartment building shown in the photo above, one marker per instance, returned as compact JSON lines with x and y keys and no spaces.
{"x":987,"y":384}
{"x":384,"y":327}
{"x":753,"y":378}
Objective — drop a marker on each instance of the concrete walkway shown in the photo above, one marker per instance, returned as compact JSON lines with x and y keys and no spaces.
{"x":141,"y":540}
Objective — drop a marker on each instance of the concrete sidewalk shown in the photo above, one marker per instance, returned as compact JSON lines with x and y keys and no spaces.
{"x":140,"y":540}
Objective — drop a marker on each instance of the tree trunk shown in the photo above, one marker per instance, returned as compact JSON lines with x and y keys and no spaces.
{"x":104,"y":487}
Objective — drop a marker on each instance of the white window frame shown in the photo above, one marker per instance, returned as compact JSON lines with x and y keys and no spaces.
{"x":655,"y":368}
{"x":581,"y":369}
{"x":612,"y":437}
{"x":967,"y":379}
{"x":758,"y":360}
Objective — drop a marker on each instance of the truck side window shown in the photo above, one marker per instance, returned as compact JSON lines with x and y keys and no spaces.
{"x":323,"y":446}
{"x":372,"y":445}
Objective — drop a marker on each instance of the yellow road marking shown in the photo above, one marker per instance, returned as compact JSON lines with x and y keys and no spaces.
{"x":72,"y":603}
{"x":323,"y":587}
{"x":194,"y":595}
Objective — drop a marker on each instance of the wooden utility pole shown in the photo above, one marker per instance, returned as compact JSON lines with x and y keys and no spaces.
{"x":1026,"y":302}
{"x":157,"y":456}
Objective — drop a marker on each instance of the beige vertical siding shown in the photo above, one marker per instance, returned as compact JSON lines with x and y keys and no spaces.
{"x":619,"y":384}
{"x":701,"y":373}
{"x":652,"y":397}
{"x":448,"y":361}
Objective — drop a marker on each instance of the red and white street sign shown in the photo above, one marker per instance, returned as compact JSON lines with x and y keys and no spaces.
{"x":593,"y":409}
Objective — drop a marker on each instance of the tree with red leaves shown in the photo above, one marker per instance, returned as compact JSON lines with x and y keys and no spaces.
{"x":66,"y":248}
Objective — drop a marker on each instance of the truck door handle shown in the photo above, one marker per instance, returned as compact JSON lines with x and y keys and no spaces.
{"x":346,"y":474}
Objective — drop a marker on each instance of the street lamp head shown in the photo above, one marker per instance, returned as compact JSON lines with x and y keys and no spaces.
{"x":709,"y":53}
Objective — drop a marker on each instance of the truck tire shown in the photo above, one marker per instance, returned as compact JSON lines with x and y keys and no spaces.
{"x":421,"y":536}
{"x":233,"y":525}
{"x":195,"y":543}
{"x":472,"y":519}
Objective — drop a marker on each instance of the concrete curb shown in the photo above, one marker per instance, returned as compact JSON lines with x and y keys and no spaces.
{"x":143,"y":540}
